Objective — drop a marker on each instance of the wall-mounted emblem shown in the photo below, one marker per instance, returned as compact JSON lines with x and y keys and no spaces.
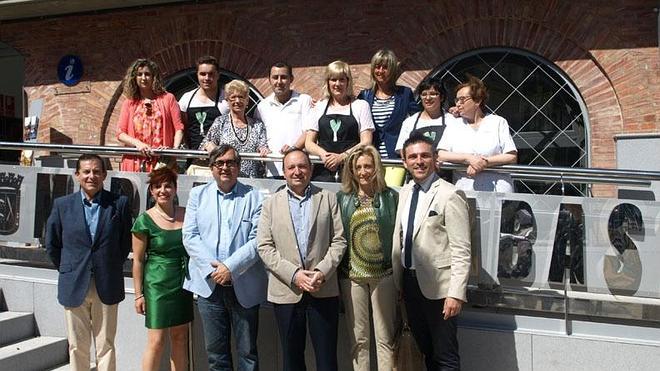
{"x":10,"y":202}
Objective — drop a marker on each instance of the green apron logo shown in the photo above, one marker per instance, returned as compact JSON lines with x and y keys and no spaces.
{"x":335,"y":125}
{"x":201,"y":117}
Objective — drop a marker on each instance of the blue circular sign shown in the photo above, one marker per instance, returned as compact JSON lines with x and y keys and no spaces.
{"x":69,"y":70}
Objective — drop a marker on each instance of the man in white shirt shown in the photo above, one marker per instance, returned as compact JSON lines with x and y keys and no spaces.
{"x":202,"y":105}
{"x":283,"y":112}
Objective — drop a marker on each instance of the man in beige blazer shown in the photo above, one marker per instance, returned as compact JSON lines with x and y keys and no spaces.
{"x":301,"y":242}
{"x":431,"y":254}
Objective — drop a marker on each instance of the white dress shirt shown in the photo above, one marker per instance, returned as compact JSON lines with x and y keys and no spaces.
{"x":284,"y":123}
{"x":424,"y":199}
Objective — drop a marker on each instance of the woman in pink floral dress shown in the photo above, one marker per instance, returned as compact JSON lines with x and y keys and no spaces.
{"x":150,"y":117}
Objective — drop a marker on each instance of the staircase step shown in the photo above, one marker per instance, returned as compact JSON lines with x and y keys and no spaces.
{"x":67,"y":367}
{"x":15,"y":326}
{"x":39,"y":353}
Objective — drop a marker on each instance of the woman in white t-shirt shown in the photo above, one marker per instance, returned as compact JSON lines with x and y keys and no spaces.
{"x":480,"y":142}
{"x":337,"y":124}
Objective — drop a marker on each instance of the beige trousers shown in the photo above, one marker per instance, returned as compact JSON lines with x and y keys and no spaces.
{"x":357,"y":297}
{"x":91,"y":319}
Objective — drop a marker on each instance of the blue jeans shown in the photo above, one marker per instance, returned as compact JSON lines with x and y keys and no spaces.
{"x":220,"y":312}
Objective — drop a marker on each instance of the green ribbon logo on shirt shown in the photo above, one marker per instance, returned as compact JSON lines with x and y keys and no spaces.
{"x":201,"y":117}
{"x":335,"y":125}
{"x":430,"y":135}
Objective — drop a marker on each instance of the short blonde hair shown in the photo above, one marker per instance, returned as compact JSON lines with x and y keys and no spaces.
{"x":237,"y":86}
{"x":338,"y":69}
{"x":387,"y":58}
{"x":349,"y":183}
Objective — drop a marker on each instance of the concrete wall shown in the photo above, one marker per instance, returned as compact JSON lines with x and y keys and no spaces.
{"x":639,"y":152}
{"x":35,"y":290}
{"x":488,"y":341}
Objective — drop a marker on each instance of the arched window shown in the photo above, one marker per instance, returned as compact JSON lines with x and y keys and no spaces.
{"x":186,"y":80}
{"x":547,"y":116}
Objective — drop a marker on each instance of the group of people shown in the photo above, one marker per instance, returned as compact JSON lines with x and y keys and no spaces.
{"x":384,"y":115}
{"x":303,"y":249}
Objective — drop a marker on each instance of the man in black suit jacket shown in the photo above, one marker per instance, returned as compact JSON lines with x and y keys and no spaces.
{"x":88,"y":237}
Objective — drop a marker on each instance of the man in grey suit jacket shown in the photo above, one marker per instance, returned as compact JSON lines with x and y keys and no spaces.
{"x":88,"y":237}
{"x":301,"y":242}
{"x":219,"y":234}
{"x":431,"y":254}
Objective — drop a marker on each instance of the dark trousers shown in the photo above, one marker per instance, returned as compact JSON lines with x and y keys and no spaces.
{"x":435,"y":336}
{"x":221,"y":312}
{"x":322,"y":316}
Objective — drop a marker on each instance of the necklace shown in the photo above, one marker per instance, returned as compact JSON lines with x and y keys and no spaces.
{"x":247,"y":130}
{"x":163,"y":215}
{"x":365,"y":199}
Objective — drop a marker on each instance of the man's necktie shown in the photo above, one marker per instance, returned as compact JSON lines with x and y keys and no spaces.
{"x":407,"y":261}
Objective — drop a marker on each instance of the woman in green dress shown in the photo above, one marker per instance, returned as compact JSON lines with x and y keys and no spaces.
{"x":368,"y":211}
{"x":159,"y":267}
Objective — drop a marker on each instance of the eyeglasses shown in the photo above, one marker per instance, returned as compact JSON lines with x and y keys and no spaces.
{"x":221,"y":163}
{"x":462,"y":99}
{"x":429,"y":95}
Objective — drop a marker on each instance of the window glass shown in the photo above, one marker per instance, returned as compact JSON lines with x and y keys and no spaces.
{"x":546,"y":114}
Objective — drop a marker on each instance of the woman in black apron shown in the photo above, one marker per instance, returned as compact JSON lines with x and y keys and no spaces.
{"x":337,"y":133}
{"x":433,"y":132}
{"x":432,"y":94}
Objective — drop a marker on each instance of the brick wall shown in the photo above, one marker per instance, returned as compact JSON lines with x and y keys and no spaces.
{"x":608,"y":49}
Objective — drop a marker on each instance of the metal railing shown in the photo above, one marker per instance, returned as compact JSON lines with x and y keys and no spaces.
{"x":627,"y":177}
{"x":522,"y":298}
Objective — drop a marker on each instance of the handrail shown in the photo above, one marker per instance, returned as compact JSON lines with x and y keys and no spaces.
{"x":521,"y":172}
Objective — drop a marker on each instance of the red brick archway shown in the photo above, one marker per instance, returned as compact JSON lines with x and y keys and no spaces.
{"x":582,"y":68}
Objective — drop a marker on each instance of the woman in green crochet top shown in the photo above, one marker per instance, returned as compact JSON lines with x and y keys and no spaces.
{"x":368,"y":210}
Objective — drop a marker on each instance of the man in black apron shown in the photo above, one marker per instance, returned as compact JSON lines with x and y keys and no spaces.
{"x":199,"y":120}
{"x":337,"y":133}
{"x":201,"y":106}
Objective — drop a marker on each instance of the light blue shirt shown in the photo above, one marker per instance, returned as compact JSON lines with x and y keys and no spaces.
{"x":300,"y":209}
{"x":226,"y":204}
{"x":91,"y":212}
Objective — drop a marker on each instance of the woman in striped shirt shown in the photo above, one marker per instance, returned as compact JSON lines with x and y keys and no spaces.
{"x":390,"y":103}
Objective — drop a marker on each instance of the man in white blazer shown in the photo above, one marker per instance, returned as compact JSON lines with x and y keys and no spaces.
{"x":431,"y":254}
{"x":219,"y":234}
{"x":301,"y":242}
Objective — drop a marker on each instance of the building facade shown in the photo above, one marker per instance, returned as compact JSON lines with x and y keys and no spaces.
{"x":600,"y":59}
